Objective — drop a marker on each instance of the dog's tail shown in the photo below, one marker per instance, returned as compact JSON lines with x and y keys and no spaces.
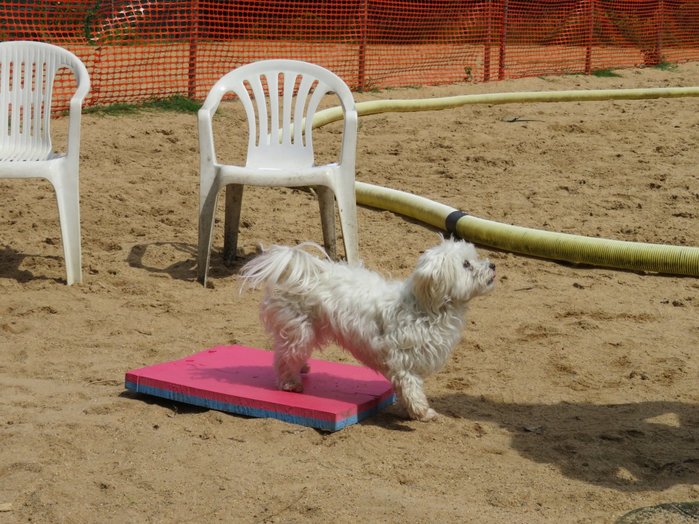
{"x":290,"y":267}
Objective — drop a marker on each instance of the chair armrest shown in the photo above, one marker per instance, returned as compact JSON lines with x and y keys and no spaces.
{"x":75,"y":112}
{"x":348,"y":153}
{"x":207,"y":151}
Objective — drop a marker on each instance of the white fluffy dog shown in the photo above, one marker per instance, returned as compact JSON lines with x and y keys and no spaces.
{"x":404,"y":330}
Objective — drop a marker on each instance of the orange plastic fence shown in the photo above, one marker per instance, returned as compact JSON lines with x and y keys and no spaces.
{"x":147,"y":49}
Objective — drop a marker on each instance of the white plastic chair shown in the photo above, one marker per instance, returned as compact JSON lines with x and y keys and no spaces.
{"x":27,"y":74}
{"x":280,"y":150}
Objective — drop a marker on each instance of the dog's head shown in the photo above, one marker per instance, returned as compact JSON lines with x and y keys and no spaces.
{"x":451,"y":274}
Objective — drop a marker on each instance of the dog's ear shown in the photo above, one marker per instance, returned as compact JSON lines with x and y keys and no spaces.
{"x":429,"y":283}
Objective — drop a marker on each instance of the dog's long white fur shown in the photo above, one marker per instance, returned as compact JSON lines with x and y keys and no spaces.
{"x":405,"y":330}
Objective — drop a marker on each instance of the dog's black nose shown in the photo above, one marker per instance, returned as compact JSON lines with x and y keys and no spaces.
{"x":492,"y":266}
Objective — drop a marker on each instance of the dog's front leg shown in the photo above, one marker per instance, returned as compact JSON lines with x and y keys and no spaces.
{"x":410,"y":394}
{"x":289,"y":363}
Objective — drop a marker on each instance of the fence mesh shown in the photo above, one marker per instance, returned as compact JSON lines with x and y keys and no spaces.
{"x":140,"y":50}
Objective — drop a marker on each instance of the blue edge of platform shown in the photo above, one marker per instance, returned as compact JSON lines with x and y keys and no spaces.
{"x":326,"y":425}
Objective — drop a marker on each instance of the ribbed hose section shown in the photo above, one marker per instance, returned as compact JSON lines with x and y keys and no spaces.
{"x":617,"y":254}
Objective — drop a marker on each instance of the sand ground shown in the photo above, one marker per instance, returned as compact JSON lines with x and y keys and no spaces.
{"x":573,"y":396}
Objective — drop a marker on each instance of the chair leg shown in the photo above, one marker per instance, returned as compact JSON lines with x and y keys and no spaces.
{"x":234,"y":200}
{"x":207,"y":210}
{"x":326,"y":201}
{"x":68,"y":201}
{"x":347,"y":209}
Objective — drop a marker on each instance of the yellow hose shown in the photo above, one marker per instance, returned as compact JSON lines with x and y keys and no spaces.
{"x":636,"y":256}
{"x":373,"y":107}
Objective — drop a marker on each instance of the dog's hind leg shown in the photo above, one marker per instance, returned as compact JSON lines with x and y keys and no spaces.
{"x":408,"y":389}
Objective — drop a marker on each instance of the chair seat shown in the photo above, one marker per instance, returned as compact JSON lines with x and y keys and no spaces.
{"x":21,"y":154}
{"x":276,"y":176}
{"x":31,"y":168}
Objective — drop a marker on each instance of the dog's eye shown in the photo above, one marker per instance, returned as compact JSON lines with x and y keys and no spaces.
{"x":467,"y":264}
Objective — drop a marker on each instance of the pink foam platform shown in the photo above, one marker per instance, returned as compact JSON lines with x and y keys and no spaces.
{"x":241,"y":380}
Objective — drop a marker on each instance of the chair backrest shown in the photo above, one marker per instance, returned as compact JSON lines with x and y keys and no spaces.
{"x":280,"y":98}
{"x":27,"y":74}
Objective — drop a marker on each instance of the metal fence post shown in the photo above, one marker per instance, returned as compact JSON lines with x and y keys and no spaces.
{"x":503,"y":40}
{"x":659,"y":29}
{"x":193,"y":43}
{"x":363,"y":29}
{"x":590,"y":19}
{"x":488,"y":42}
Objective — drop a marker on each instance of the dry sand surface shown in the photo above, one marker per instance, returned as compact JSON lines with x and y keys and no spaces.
{"x":573,"y":396}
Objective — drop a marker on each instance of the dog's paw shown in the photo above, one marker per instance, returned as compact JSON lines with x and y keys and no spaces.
{"x":296,"y":387}
{"x":429,"y":416}
{"x":305,"y":369}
